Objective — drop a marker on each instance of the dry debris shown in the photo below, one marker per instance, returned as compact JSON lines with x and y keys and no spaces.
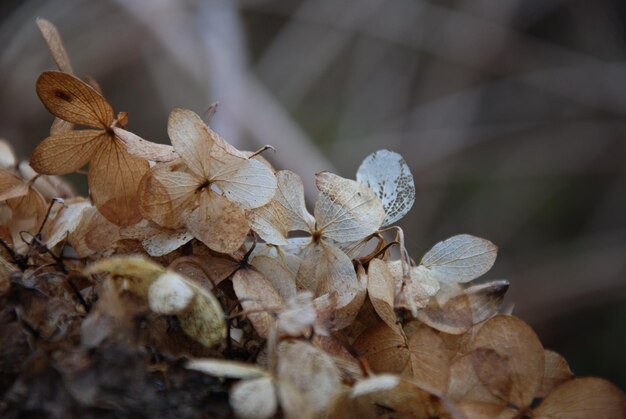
{"x":193,"y":282}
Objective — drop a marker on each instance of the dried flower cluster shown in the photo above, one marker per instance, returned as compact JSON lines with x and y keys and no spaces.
{"x":194,"y":281}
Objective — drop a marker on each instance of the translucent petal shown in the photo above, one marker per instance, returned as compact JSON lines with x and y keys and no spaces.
{"x":388,"y":175}
{"x":285,"y":213}
{"x":114,"y":177}
{"x":218,"y":223}
{"x":191,"y":140}
{"x":248,"y":182}
{"x":167,"y":195}
{"x":346,"y":210}
{"x":460,"y":258}
{"x":67,"y":152}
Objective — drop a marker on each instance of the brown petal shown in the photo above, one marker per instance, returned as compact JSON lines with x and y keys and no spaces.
{"x":380,"y":288}
{"x":55,"y":44}
{"x":384,"y":348}
{"x":556,"y":371}
{"x":73,"y":100}
{"x":278,"y":273}
{"x":64,"y":223}
{"x":114,"y":177}
{"x":94,"y":233}
{"x":147,"y":150}
{"x":191,"y":140}
{"x":11,"y":186}
{"x":30,"y":206}
{"x":218,"y":223}
{"x":481,"y":410}
{"x":393,"y":397}
{"x":584,"y":398}
{"x":495,"y":371}
{"x":455,"y":310}
{"x":429,"y":360}
{"x":66,"y":152}
{"x":258,"y":297}
{"x":515,"y":342}
{"x":335,"y":273}
{"x":465,"y":385}
{"x":167,"y":196}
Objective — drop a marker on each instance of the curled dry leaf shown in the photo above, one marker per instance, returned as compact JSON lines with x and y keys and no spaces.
{"x":52,"y":37}
{"x":64,"y":223}
{"x":387,"y":174}
{"x":167,"y":292}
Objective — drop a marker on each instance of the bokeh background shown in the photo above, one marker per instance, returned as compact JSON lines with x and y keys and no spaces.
{"x":509,"y":112}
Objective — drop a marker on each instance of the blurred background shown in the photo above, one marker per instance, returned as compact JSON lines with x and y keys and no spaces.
{"x":510,"y":113}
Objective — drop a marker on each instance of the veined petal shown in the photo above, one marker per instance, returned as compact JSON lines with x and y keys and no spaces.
{"x":73,"y":100}
{"x":114,"y":177}
{"x":167,"y":196}
{"x":247,"y":182}
{"x":218,"y":223}
{"x":139,"y":147}
{"x":335,"y":273}
{"x":66,"y":152}
{"x":387,"y":174}
{"x":191,"y":140}
{"x":11,"y":186}
{"x":286,"y":212}
{"x":346,"y":210}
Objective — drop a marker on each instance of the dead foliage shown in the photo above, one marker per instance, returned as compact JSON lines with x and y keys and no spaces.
{"x":194,"y":282}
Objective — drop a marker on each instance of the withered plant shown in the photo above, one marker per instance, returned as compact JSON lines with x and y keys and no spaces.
{"x":194,"y":282}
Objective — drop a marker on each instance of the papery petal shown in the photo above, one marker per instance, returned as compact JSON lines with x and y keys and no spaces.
{"x":73,"y":100}
{"x":346,"y":210}
{"x":167,"y":196}
{"x":191,"y":140}
{"x":247,"y":182}
{"x":67,"y":152}
{"x":114,"y":177}
{"x":147,"y":150}
{"x":218,"y":223}
{"x":286,"y":212}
